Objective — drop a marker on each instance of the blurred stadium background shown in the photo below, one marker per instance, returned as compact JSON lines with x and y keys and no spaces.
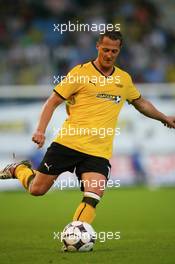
{"x":32,"y":54}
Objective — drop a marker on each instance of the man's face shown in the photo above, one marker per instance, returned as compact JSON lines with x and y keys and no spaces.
{"x":108,"y":51}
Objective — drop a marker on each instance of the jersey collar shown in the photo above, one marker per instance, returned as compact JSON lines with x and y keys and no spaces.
{"x":93,"y":64}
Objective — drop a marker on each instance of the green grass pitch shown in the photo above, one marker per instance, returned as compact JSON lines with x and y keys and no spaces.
{"x":145,"y":219}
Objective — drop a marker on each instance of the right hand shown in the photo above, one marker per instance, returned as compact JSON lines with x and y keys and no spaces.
{"x":39,"y":138}
{"x":169,"y":122}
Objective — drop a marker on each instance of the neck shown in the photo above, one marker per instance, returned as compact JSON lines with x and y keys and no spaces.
{"x":104,"y":70}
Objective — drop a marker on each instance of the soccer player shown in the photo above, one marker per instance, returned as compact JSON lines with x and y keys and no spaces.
{"x":95,"y":92}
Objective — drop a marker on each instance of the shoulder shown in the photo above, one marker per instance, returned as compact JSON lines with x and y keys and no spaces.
{"x":79,"y":68}
{"x":123,"y":74}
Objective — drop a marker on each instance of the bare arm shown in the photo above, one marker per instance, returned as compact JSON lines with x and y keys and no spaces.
{"x":50,"y":105}
{"x":147,"y":109}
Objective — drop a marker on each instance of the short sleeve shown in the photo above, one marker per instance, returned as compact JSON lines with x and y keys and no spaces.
{"x":70,"y":84}
{"x":132,"y":93}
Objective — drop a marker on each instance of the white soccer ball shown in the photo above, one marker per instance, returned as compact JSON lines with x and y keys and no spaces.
{"x":78,"y":236}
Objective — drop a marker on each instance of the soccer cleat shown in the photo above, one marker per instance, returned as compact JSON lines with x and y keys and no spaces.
{"x":64,"y":249}
{"x":8,"y":171}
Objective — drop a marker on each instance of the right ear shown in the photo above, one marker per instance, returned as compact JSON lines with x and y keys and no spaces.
{"x":97,"y":45}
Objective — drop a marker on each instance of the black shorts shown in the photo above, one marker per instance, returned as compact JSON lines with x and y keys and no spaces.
{"x":59,"y":158}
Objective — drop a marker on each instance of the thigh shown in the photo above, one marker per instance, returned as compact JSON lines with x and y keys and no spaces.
{"x":93,"y":182}
{"x":93,"y":173}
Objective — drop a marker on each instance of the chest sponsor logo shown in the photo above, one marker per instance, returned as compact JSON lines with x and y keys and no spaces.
{"x":109,"y":97}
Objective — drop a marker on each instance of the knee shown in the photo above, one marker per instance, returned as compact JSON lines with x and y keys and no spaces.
{"x":94,"y":183}
{"x":37,"y":190}
{"x":98,"y":191}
